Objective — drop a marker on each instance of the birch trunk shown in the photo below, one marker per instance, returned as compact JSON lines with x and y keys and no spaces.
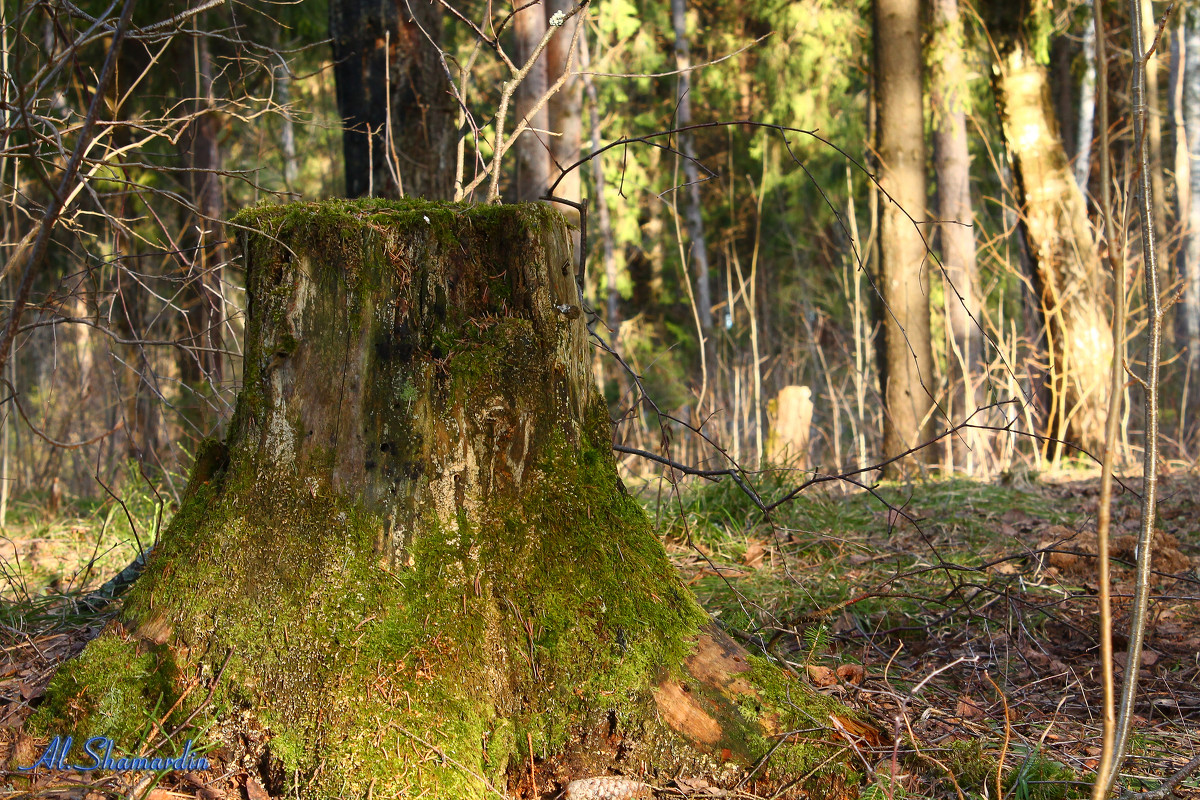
{"x":1182,"y":168}
{"x":287,"y":132}
{"x":1189,"y":267}
{"x":600,"y":202}
{"x":698,"y":252}
{"x":1087,"y":107}
{"x":1154,"y":135}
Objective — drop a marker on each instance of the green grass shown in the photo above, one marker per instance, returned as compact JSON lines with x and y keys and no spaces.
{"x":830,"y":548}
{"x":45,"y":558}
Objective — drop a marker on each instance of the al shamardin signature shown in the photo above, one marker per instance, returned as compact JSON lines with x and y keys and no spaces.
{"x":99,"y":750}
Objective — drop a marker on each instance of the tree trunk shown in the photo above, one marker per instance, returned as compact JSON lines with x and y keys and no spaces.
{"x":1062,"y":89}
{"x":384,"y":60}
{"x":1154,"y":137}
{"x":1189,"y":266}
{"x":952,"y":163}
{"x":1074,"y":297}
{"x":1181,"y":167}
{"x":566,"y":105}
{"x":282,"y":74}
{"x":206,"y":252}
{"x":414,"y":552}
{"x":533,"y":147}
{"x":698,"y":252}
{"x":903,"y":274}
{"x":1087,"y":107}
{"x":600,"y":202}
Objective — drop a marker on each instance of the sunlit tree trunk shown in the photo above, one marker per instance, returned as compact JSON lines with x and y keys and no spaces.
{"x":566,"y":106}
{"x":287,"y":131}
{"x":533,"y":146}
{"x":598,"y":205}
{"x":952,"y":164}
{"x":1189,"y":267}
{"x":1154,"y":135}
{"x":1087,"y":108}
{"x":903,"y":272}
{"x":1181,"y":168}
{"x":1074,"y":296}
{"x":698,"y":251}
{"x":598,"y":201}
{"x":385,"y":62}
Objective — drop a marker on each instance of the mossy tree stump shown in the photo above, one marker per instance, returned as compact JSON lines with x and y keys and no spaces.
{"x":413,"y":547}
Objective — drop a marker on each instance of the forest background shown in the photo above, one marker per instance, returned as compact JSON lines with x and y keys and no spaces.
{"x":765,"y":246}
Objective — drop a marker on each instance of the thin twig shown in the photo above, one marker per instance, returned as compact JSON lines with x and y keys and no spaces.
{"x":1141,"y":601}
{"x":1115,"y":395}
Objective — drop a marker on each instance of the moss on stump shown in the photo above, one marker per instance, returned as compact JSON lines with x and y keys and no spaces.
{"x":413,"y":556}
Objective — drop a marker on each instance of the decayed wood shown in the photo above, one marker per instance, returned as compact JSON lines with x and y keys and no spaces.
{"x":791,"y":427}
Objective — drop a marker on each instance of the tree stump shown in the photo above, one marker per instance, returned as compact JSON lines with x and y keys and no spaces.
{"x":411,"y":569}
{"x":791,"y":415}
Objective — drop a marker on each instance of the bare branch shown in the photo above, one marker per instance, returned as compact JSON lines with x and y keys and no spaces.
{"x":50,"y":217}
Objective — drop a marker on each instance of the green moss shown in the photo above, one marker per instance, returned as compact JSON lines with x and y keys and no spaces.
{"x":113,"y":689}
{"x":501,"y":746}
{"x":333,"y":232}
{"x":793,"y":708}
{"x":969,"y":764}
{"x":212,"y":457}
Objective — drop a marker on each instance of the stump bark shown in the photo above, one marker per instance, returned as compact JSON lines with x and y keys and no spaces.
{"x":411,"y":569}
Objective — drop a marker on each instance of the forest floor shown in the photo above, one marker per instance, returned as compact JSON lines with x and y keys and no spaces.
{"x":960,"y":618}
{"x":943,"y":609}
